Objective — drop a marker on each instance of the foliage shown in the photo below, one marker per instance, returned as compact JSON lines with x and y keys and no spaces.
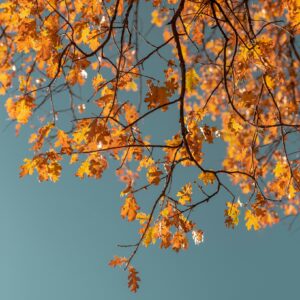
{"x":229,"y":68}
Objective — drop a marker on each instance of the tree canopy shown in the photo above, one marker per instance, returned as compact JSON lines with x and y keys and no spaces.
{"x":86,"y":75}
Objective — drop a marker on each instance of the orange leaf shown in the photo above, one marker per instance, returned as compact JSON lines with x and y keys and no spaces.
{"x":133,"y":279}
{"x":130,"y":208}
{"x":117,"y":261}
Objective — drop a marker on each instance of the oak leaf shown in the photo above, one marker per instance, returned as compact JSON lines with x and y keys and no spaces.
{"x":129,"y":208}
{"x":252,"y":220}
{"x":133,"y":279}
{"x":185,"y":194}
{"x":232,"y":214}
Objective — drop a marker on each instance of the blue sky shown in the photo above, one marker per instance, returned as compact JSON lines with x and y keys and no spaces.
{"x":57,"y":239}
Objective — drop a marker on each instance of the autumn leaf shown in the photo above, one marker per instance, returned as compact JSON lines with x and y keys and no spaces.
{"x":46,"y":165}
{"x":146,"y":162}
{"x":127,"y":190}
{"x":27,"y":168}
{"x":64,"y":141}
{"x":153,"y":175}
{"x":133,"y":279}
{"x":39,"y":138}
{"x":270,"y":82}
{"x":129,"y":208}
{"x":97,"y":81}
{"x":159,"y":17}
{"x":252,"y":220}
{"x":20,"y":110}
{"x":207,"y":177}
{"x":192,"y":80}
{"x":179,"y":241}
{"x":232,"y":215}
{"x":184,"y":194}
{"x":93,"y":166}
{"x":76,"y":75}
{"x":131,"y":113}
{"x":281,"y":169}
{"x":198,"y":236}
{"x":167,"y":211}
{"x":158,"y":95}
{"x":234,"y":125}
{"x":74,"y":158}
{"x":84,"y":169}
{"x":142,"y":217}
{"x":117,"y":261}
{"x":149,"y":237}
{"x":54,"y":171}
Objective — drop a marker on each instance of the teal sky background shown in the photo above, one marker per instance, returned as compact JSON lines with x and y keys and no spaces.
{"x":56,"y":241}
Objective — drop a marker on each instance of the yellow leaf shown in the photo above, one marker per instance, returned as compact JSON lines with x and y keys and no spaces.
{"x":74,"y":158}
{"x":234,"y":125}
{"x":280,"y":169}
{"x":153,"y":175}
{"x":185,"y":194}
{"x":252,"y":221}
{"x":142,"y":217}
{"x":20,"y":110}
{"x":28,"y":167}
{"x":232,"y":214}
{"x":97,"y":81}
{"x":84,"y":169}
{"x":149,"y":237}
{"x":159,"y":17}
{"x":192,"y":80}
{"x":270,"y":81}
{"x":145,"y":162}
